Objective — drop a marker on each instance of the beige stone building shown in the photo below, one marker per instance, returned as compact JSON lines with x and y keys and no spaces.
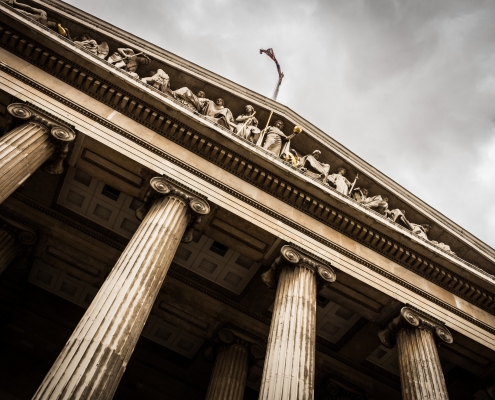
{"x":158,"y":244}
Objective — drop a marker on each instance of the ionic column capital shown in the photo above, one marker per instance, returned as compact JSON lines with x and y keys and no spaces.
{"x":161,"y":186}
{"x":59,"y":132}
{"x":27,"y":112}
{"x":411,"y":317}
{"x":291,"y":256}
{"x":232,"y":336}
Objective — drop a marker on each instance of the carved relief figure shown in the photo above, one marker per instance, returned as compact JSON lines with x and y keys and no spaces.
{"x":375,"y":202}
{"x":421,"y":230}
{"x":218,"y":113}
{"x":101,"y":50}
{"x":340,"y":182}
{"x":158,"y":79}
{"x":311,"y":166}
{"x":189,"y":99}
{"x":444,"y":247}
{"x":129,"y":61}
{"x":247,"y":125}
{"x":399,"y":216}
{"x":38,"y":15}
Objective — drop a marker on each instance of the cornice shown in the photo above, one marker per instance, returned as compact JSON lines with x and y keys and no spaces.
{"x":92,"y":22}
{"x":251,"y":172}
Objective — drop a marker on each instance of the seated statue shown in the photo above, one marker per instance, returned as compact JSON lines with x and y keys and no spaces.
{"x":38,"y":15}
{"x":340,"y":182}
{"x":158,"y":79}
{"x":218,"y":113}
{"x":129,"y":61}
{"x":247,"y":125}
{"x":101,"y":50}
{"x":310,"y":165}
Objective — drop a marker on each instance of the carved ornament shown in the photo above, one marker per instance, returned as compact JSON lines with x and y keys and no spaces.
{"x":62,"y":135}
{"x":160,"y":186}
{"x":410,"y":317}
{"x":291,"y":256}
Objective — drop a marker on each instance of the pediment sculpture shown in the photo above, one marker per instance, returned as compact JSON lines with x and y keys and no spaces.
{"x":128,"y":60}
{"x":272,"y":138}
{"x":217,"y":112}
{"x":101,"y":50}
{"x":158,"y":79}
{"x":311,"y":166}
{"x":247,"y":125}
{"x":339,"y":181}
{"x":40,"y":16}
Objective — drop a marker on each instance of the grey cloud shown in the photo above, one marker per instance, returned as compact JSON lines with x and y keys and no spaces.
{"x":407,"y":85}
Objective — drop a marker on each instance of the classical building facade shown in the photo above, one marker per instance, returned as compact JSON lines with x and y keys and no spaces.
{"x":168,"y":234}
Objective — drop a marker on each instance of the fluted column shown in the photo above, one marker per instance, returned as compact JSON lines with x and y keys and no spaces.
{"x":96,"y":355}
{"x":25,"y":148}
{"x":421,"y":373}
{"x":9,"y":249}
{"x":14,"y":243}
{"x":233,"y":351}
{"x":289,"y":367}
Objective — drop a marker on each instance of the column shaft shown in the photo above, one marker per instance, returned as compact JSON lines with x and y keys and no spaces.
{"x":289,"y":365}
{"x":420,"y":370}
{"x":95,"y":356}
{"x":228,"y":380}
{"x":22,"y":151}
{"x":9,"y":249}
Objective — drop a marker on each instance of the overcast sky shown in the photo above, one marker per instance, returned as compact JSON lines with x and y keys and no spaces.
{"x":409,"y":86}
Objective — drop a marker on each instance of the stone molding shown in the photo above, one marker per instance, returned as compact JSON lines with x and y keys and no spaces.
{"x":411,"y":317}
{"x":168,"y":59}
{"x":164,"y":56}
{"x":265,"y":181}
{"x":291,"y":256}
{"x":444,"y":278}
{"x":148,"y":115}
{"x":268,"y":211}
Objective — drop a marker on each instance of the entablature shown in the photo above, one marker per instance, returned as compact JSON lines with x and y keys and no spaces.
{"x":160,"y":113}
{"x":182,"y":73}
{"x":185,"y":73}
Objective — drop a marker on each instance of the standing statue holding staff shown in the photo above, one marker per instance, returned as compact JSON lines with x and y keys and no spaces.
{"x":272,"y":136}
